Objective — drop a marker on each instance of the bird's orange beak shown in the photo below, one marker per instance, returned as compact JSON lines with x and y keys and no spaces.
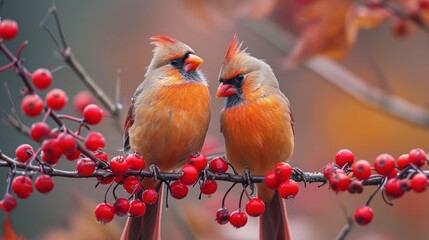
{"x":192,"y":63}
{"x":226,"y":90}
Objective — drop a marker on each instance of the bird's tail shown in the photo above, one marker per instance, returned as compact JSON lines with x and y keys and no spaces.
{"x":273,"y":223}
{"x":147,"y":227}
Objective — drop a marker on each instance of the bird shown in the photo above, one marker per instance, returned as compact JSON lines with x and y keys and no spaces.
{"x":258,"y":128}
{"x":167,"y":121}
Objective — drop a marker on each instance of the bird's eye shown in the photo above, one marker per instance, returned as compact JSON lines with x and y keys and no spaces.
{"x":174,"y":62}
{"x":240,"y":77}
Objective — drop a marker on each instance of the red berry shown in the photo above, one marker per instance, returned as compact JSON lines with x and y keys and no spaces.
{"x":179,"y":190}
{"x":92,"y":114}
{"x":42,"y":78}
{"x":394,"y":188}
{"x":119,"y":179}
{"x":238,"y":219}
{"x":135,"y":162}
{"x":344,"y":157}
{"x":72,"y":156}
{"x":8,"y":203}
{"x":402,"y":28}
{"x":32,"y":105}
{"x":419,"y":182}
{"x":393,"y":173}
{"x":222,"y":216}
{"x":85,"y":166}
{"x":24,"y":152}
{"x":137,"y":208}
{"x":40,"y":131}
{"x":363,"y":215}
{"x":132,"y":184}
{"x":121,"y":206}
{"x":56,"y":99}
{"x":329,"y":169}
{"x":66,"y":142}
{"x":384,"y":164}
{"x":44,"y":183}
{"x":283,"y":171}
{"x":22,"y":186}
{"x":8,"y":29}
{"x":118,"y":165}
{"x":198,"y":161}
{"x":403,"y":161}
{"x":288,"y":189}
{"x":218,"y":165}
{"x":355,"y":187}
{"x":105,"y":180}
{"x":339,"y":181}
{"x":102,"y":156}
{"x":104,"y":213}
{"x":51,"y":151}
{"x":361,"y":169}
{"x":271,"y":180}
{"x":149,"y":196}
{"x":255,"y":207}
{"x":208,"y":187}
{"x":82,"y":99}
{"x":94,"y":141}
{"x":417,"y":157}
{"x":189,"y":174}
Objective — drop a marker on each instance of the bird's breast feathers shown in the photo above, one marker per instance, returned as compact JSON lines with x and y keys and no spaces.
{"x":170,"y":123}
{"x":258,"y":132}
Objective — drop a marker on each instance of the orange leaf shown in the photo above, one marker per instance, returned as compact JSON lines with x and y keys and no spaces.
{"x":8,"y":231}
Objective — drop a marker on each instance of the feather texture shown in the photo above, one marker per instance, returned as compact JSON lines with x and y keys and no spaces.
{"x":258,"y":129}
{"x":167,"y":121}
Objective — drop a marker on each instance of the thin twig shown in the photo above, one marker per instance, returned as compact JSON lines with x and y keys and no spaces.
{"x":69,"y":58}
{"x":341,"y":77}
{"x":347,"y":227}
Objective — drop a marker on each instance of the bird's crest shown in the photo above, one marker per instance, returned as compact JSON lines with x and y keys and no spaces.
{"x":162,"y":40}
{"x":234,"y":49}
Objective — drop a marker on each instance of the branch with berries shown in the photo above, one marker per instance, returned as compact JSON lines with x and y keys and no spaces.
{"x":83,"y":147}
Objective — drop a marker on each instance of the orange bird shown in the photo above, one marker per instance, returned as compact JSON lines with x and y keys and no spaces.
{"x":167,"y":121}
{"x":257,"y":125}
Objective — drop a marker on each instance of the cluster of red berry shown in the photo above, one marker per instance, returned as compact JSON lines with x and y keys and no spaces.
{"x":394,"y":177}
{"x":55,"y":141}
{"x":135,"y":205}
{"x":278,"y":178}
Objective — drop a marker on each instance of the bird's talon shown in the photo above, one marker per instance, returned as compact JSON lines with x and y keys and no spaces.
{"x":298,"y":172}
{"x":154,"y":170}
{"x":248,"y":179}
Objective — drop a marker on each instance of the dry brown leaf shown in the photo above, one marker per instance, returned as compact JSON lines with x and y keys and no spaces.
{"x":8,"y":231}
{"x":83,"y":225}
{"x":330,"y":27}
{"x":324,"y":30}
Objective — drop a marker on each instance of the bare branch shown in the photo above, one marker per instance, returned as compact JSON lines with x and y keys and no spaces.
{"x":69,"y":58}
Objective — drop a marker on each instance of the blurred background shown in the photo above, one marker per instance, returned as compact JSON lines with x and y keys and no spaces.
{"x":107,"y":36}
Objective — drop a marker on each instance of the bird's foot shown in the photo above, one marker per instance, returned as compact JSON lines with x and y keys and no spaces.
{"x":154,"y":170}
{"x":300,"y":175}
{"x":247,"y":175}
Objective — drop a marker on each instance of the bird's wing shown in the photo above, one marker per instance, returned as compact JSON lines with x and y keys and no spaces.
{"x":129,"y":120}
